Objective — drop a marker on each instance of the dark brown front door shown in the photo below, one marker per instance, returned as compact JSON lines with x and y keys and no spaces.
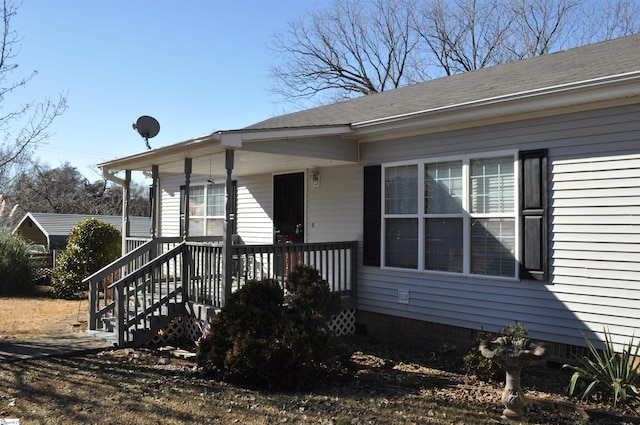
{"x":288,"y":208}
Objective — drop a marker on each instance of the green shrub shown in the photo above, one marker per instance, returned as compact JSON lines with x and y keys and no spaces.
{"x":259,"y":339}
{"x":476,"y":364}
{"x":609,"y":376}
{"x":16,"y":267}
{"x":92,"y":244}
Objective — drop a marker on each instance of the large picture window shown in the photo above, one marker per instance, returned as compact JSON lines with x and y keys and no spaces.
{"x":457,"y":216}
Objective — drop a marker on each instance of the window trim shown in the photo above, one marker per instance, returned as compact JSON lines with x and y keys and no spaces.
{"x":466,"y":215}
{"x":204,"y":217}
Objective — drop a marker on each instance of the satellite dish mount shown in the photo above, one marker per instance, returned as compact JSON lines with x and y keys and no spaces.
{"x":148,"y":127}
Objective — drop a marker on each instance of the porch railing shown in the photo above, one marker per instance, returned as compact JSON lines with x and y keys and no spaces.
{"x":101,"y":303}
{"x":150,"y":295}
{"x":167,"y":272}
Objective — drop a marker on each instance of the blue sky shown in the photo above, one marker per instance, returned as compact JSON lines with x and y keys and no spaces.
{"x":197,"y":66}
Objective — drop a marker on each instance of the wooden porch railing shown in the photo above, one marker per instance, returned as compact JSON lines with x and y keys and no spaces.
{"x":101,"y":303}
{"x":157,"y":278}
{"x":150,"y":296}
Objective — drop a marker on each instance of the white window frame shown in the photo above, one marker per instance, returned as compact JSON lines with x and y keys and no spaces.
{"x":205,"y":217}
{"x":467,"y":216}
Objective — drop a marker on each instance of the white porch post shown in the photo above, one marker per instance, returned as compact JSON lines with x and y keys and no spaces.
{"x":126,"y":224}
{"x":227,"y":256}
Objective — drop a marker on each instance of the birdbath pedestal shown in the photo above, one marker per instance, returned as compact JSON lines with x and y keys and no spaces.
{"x":513,"y":356}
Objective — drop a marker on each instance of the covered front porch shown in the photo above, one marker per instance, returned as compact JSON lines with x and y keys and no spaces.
{"x":167,"y":278}
{"x":187,"y":270}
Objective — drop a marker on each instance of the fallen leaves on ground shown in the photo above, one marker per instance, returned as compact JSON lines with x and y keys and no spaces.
{"x":383,"y":386}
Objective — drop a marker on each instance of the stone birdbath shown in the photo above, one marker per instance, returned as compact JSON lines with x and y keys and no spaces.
{"x":513,"y":356}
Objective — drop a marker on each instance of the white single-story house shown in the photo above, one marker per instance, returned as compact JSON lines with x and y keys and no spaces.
{"x":469,"y":202}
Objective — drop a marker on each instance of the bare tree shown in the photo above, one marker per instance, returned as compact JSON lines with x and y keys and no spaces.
{"x":464,"y":35}
{"x":359,"y":47}
{"x":64,"y":190}
{"x":611,"y":19}
{"x":27,"y":126}
{"x":354,"y":47}
{"x":544,"y":26}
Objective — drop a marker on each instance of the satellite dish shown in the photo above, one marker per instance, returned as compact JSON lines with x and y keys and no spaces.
{"x":148,"y":127}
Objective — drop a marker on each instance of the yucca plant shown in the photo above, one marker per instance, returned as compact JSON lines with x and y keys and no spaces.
{"x":612,"y":376}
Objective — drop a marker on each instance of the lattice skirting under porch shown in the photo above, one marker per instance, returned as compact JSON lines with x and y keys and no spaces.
{"x":181,"y":327}
{"x":190,"y":328}
{"x":344,"y":323}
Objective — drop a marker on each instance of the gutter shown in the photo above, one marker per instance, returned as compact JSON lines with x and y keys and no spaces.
{"x":540,"y":99}
{"x":112,"y":177}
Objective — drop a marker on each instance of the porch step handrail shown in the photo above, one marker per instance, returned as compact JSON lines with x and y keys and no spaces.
{"x":142,"y":294}
{"x":99,"y":304}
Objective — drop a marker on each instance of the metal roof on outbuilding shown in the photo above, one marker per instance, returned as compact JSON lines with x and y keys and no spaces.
{"x":56,"y":227}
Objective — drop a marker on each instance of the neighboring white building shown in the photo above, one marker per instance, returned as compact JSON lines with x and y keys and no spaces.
{"x":506,"y":194}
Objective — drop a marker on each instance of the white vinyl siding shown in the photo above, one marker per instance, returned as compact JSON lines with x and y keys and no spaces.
{"x":334,"y":209}
{"x":169,"y":220}
{"x":255,"y":209}
{"x":594,"y":236}
{"x":596,"y":239}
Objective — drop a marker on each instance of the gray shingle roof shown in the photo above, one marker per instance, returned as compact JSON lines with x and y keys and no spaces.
{"x":61,"y":224}
{"x":584,"y":63}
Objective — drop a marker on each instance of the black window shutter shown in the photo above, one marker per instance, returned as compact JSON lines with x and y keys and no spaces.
{"x":533,"y":201}
{"x":372,"y":216}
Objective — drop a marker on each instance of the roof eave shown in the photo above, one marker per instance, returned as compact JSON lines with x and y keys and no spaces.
{"x":217,"y":142}
{"x":498,"y":108}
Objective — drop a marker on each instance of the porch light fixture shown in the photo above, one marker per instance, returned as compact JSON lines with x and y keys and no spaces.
{"x":314,"y":175}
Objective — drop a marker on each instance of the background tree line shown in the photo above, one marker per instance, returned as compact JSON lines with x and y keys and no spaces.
{"x":64,"y":190}
{"x":360,"y":47}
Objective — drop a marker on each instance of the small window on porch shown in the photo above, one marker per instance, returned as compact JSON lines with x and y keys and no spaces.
{"x":206,"y":210}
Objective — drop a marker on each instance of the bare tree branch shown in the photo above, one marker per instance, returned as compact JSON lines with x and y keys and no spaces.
{"x":354,"y":47}
{"x":27,"y":126}
{"x":464,"y":35}
{"x":359,"y":47}
{"x":543,"y":26}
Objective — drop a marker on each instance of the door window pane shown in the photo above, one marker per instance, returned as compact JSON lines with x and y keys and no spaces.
{"x":401,"y":243}
{"x":443,"y":244}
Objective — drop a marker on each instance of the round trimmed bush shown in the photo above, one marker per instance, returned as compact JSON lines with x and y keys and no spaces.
{"x":92,"y":244}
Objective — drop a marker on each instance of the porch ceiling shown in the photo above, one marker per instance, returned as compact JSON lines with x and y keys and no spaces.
{"x":249,"y":163}
{"x":253,"y":154}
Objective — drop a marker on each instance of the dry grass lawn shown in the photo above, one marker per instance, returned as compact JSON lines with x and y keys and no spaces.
{"x":32,"y":317}
{"x":385,"y":385}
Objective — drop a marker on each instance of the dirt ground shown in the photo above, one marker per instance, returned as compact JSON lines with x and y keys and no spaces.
{"x":387,"y":385}
{"x":32,"y":317}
